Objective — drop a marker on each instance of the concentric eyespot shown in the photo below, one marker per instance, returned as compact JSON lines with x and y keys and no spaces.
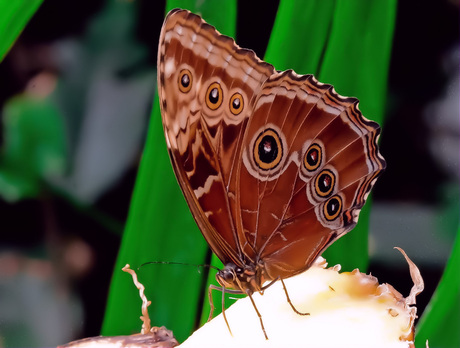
{"x":324,"y":183}
{"x":333,"y":208}
{"x":214,"y":96}
{"x":185,"y":81}
{"x":236,"y":104}
{"x":268,"y":149}
{"x":313,"y":157}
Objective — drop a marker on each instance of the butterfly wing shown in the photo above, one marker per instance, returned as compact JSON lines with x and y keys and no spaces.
{"x":309,"y":160}
{"x":207,"y":86}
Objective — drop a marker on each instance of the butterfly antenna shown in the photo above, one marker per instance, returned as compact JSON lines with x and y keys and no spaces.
{"x":178,"y":263}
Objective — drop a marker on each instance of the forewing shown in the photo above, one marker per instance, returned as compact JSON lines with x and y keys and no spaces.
{"x":200,"y":74}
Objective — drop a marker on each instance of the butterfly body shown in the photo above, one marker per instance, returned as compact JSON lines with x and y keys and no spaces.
{"x":274,"y":166}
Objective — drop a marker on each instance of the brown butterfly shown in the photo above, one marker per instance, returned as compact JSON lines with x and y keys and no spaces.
{"x":274,"y":166}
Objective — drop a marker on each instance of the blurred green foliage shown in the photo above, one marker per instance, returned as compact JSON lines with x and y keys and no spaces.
{"x":81,"y":117}
{"x":34,"y":148}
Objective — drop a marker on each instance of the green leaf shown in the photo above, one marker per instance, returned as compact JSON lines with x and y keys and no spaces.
{"x":440,"y":321}
{"x":219,"y":13}
{"x":356,"y":61}
{"x":160,"y":227}
{"x":347,"y":44}
{"x":14,"y":15}
{"x":299,"y":19}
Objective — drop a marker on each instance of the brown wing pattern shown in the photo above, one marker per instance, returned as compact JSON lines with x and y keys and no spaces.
{"x":207,"y":86}
{"x":309,"y":161}
{"x":274,"y":166}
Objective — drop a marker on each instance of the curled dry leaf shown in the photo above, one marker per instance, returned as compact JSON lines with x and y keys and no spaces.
{"x":145,"y":303}
{"x":149,"y":337}
{"x":416,"y":278}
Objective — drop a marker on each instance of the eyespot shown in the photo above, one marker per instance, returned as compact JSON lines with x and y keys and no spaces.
{"x":214,"y":96}
{"x":333,"y":208}
{"x":324,"y":183}
{"x":313,"y":157}
{"x":236,"y":104}
{"x":185,"y":81}
{"x":268,"y":149}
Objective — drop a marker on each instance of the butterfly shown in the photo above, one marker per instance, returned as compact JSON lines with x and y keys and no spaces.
{"x":274,"y":166}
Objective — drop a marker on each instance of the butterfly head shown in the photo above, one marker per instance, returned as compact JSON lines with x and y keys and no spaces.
{"x":247,"y":279}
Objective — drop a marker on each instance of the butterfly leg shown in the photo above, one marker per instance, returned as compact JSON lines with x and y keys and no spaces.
{"x":211,"y":303}
{"x":258,"y":314}
{"x":289,"y":300}
{"x":222,"y":289}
